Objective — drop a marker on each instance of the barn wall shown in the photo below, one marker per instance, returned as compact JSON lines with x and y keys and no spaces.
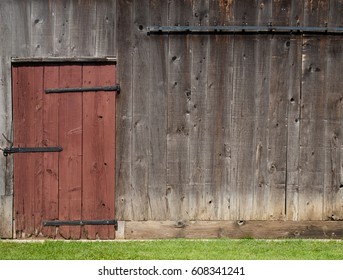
{"x":36,"y":29}
{"x":235,"y":127}
{"x":230,"y":126}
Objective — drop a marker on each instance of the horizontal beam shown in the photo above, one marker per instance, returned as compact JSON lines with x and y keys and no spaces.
{"x":244,"y":29}
{"x":230,"y":229}
{"x":80,"y":59}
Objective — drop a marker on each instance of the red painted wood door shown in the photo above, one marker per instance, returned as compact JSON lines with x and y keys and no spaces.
{"x":79,"y":182}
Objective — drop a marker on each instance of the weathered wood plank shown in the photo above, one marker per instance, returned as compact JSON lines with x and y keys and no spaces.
{"x":24,"y":136}
{"x":124,"y":205}
{"x":70,"y":161}
{"x":196,"y":195}
{"x":6,"y":163}
{"x":335,"y":13}
{"x":179,"y":94}
{"x":5,"y":93}
{"x":82,"y":34}
{"x":6,"y":216}
{"x":42,"y":28}
{"x":297,"y":13}
{"x":262,"y":99}
{"x":98,"y":150}
{"x":233,"y":229}
{"x":246,"y":12}
{"x":281,"y":14}
{"x":220,"y":12}
{"x":243,"y":123}
{"x":37,"y":93}
{"x":140,"y":111}
{"x":293,"y":125}
{"x":316,"y":13}
{"x":21,"y":31}
{"x":50,"y":160}
{"x":158,"y":89}
{"x":218,"y":194}
{"x":106,"y":41}
{"x":62,"y":27}
{"x":333,"y":180}
{"x":244,"y":111}
{"x":311,"y":189}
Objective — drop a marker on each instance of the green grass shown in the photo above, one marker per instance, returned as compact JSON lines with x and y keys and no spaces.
{"x":180,"y":249}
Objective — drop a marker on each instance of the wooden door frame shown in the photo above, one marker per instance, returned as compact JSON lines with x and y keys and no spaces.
{"x":18,"y":61}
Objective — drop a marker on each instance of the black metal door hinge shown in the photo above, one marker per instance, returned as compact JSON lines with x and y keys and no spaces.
{"x":81,"y":223}
{"x":14,"y":150}
{"x":81,"y":89}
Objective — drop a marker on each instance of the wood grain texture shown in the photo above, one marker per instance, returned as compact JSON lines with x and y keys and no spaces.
{"x":50,"y":203}
{"x":140,"y":111}
{"x":316,"y":13}
{"x":124,"y":204}
{"x":41,"y":22}
{"x":70,"y":161}
{"x":106,"y":30}
{"x":82,"y":34}
{"x":293,"y":126}
{"x":157,"y":114}
{"x":98,"y":151}
{"x":208,"y":127}
{"x":333,"y":181}
{"x":312,"y":127}
{"x":197,"y":197}
{"x":233,"y":229}
{"x":179,"y":96}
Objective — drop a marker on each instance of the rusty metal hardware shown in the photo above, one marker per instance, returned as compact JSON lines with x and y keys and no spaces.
{"x":81,"y":89}
{"x":14,"y":150}
{"x":80,"y":223}
{"x":245,"y":29}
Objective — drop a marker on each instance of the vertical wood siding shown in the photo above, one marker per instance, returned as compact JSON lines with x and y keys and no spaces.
{"x":209,"y":127}
{"x":235,"y":127}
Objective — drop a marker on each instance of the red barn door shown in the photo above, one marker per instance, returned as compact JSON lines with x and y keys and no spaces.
{"x":77,"y":183}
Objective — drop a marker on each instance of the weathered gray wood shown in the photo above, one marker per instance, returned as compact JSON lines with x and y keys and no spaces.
{"x":262,"y":100}
{"x":105,"y":27}
{"x":6,"y":164}
{"x":125,"y":206}
{"x":62,"y":27}
{"x":293,"y":125}
{"x":82,"y":34}
{"x":244,"y":111}
{"x":197,"y":195}
{"x":233,"y":229}
{"x":157,"y":97}
{"x":281,"y":14}
{"x":6,"y":216}
{"x":333,"y":179}
{"x":140,"y":111}
{"x":179,"y":95}
{"x":316,"y":13}
{"x":312,"y":131}
{"x":41,"y":23}
{"x":19,"y":12}
{"x":335,"y":13}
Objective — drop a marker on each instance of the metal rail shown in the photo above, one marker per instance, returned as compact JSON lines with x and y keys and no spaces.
{"x":245,"y":29}
{"x":80,"y":89}
{"x":80,"y":223}
{"x":15,"y":150}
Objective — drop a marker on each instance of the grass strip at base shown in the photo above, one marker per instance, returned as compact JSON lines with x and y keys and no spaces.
{"x":179,"y":249}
